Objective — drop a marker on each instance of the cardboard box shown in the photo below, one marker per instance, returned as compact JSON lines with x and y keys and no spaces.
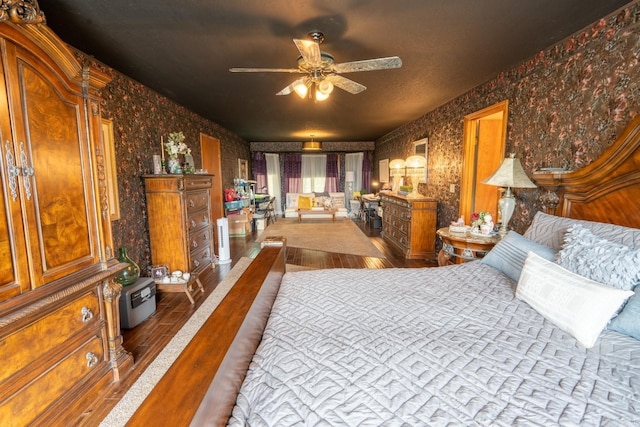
{"x":237,"y":229}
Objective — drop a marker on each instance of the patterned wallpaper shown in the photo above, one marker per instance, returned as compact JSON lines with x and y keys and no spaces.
{"x":566,"y":105}
{"x":140,"y":116}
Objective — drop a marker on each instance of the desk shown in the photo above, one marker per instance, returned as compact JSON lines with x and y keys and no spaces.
{"x":462,"y":247}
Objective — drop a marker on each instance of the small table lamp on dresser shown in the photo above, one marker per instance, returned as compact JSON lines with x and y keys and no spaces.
{"x":509,"y":174}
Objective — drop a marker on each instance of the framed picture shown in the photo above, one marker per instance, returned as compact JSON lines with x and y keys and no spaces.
{"x":383,"y":170}
{"x":243,"y":169}
{"x":110,"y":169}
{"x":159,"y":272}
{"x":420,"y":148}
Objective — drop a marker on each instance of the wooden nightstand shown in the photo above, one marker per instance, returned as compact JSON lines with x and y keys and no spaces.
{"x":462,"y":247}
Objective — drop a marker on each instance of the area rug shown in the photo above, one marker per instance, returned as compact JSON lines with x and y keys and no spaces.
{"x":342,"y":236}
{"x":134,"y":397}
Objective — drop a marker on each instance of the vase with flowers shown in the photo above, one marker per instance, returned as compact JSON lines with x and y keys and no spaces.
{"x":175,"y":146}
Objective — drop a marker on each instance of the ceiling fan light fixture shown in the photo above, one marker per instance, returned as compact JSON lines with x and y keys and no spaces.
{"x":301,"y":89}
{"x":321,"y":96}
{"x":325,"y":87}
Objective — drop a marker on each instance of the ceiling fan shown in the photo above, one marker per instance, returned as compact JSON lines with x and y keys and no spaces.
{"x":321,"y":72}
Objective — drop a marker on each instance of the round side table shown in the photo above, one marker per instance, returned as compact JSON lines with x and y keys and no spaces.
{"x":462,"y":247}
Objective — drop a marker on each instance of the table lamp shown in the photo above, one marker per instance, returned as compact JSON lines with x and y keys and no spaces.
{"x":509,"y":174}
{"x":415,"y":169}
{"x":397,"y":170}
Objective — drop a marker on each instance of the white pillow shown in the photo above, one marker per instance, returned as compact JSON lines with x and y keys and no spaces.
{"x":578,"y":306}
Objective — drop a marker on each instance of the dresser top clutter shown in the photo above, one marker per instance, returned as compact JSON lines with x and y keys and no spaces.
{"x":59,"y":323}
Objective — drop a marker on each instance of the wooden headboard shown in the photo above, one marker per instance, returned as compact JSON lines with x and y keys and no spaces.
{"x":607,"y":190}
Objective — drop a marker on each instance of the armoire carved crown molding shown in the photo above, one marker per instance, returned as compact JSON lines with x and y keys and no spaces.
{"x":21,"y":12}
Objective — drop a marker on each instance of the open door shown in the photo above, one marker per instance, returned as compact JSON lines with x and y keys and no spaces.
{"x":485,"y":135}
{"x":210,"y":149}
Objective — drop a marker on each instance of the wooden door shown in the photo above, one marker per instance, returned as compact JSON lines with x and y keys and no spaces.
{"x":14,"y":272}
{"x":485,"y":134}
{"x":55,"y":181}
{"x":210,"y":149}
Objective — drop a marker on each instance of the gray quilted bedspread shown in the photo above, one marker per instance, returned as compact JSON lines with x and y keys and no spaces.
{"x":429,"y":347}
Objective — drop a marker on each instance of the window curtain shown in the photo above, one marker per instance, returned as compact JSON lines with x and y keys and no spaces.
{"x":332,"y":183}
{"x":272,"y":162}
{"x":314,"y":173}
{"x":353,"y":162}
{"x":367,"y":170}
{"x":293,"y":173}
{"x":259,"y":169}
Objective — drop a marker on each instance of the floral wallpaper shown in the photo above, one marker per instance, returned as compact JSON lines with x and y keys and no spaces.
{"x":566,"y":105}
{"x":140,"y":117}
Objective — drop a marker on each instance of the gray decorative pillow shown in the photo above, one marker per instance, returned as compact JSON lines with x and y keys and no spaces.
{"x":549,"y":230}
{"x":511,"y":252}
{"x":598,"y":259}
{"x":628,"y":321}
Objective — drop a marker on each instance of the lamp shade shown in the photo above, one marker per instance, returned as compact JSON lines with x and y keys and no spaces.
{"x":510,"y":174}
{"x":397,"y":164}
{"x":312,"y":145}
{"x":349,"y":176}
{"x":416,"y":162}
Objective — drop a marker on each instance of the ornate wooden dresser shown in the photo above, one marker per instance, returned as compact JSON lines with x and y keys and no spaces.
{"x":60,"y":340}
{"x":409,"y":224}
{"x":180,"y":224}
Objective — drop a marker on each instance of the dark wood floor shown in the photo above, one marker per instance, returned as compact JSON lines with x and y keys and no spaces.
{"x":173,"y":309}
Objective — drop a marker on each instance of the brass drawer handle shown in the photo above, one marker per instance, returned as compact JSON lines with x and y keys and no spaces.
{"x":92,"y":360}
{"x":191,"y":203}
{"x":193,"y":224}
{"x":87,"y":314}
{"x":196,"y":263}
{"x":194,"y":244}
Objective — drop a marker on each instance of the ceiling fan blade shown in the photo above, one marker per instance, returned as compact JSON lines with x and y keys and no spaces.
{"x":368,"y":65}
{"x":346,"y":84}
{"x":290,"y":88}
{"x":264,"y":70}
{"x":310,"y":52}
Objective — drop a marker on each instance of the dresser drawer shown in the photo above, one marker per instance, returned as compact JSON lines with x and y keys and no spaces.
{"x":197,"y":200}
{"x":200,"y":238}
{"x":201,"y":258}
{"x":197,"y":220}
{"x":25,"y":346}
{"x":34,"y":397}
{"x":196,"y":182}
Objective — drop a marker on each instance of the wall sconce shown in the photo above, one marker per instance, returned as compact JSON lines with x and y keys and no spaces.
{"x":509,"y":174}
{"x":415,"y":169}
{"x":396,"y":170}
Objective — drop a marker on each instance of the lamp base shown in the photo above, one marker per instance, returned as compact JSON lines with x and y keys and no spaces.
{"x":507,"y":205}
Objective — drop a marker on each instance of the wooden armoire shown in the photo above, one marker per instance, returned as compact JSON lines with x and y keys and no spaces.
{"x":60,"y":338}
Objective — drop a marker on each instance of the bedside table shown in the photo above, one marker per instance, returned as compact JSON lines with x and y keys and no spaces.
{"x":462,"y":247}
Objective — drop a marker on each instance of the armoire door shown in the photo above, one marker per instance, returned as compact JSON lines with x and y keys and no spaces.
{"x":52,"y":163}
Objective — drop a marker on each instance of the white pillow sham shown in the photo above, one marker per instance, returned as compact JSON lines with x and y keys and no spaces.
{"x":578,"y":306}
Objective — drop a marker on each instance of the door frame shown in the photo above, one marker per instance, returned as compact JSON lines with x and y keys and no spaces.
{"x":470,"y":148}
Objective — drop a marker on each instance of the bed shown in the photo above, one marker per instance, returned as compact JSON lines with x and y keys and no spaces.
{"x":522,"y":337}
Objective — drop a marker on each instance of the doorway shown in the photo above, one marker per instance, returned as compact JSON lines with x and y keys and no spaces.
{"x":210,"y":150}
{"x":484,"y":141}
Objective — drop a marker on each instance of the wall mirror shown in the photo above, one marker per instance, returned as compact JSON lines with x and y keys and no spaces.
{"x":420,"y":148}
